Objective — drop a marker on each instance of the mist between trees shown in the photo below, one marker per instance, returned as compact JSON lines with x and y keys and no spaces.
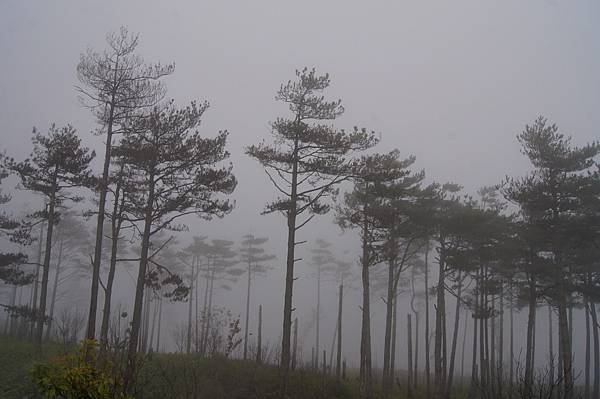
{"x":446,"y":293}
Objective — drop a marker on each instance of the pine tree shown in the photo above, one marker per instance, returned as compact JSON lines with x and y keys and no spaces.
{"x":305,"y":163}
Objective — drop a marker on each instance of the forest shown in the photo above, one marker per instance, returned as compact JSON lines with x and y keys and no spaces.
{"x":117,"y":279}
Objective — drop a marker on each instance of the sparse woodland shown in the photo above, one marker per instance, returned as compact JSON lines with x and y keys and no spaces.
{"x":465,"y":264}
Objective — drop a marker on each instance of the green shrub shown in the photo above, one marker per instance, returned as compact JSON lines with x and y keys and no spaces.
{"x":77,"y":376}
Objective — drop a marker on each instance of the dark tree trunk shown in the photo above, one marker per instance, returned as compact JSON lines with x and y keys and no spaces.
{"x":339,"y":337}
{"x":409,"y":392}
{"x":454,"y":338}
{"x":41,"y":313}
{"x":36,"y":283}
{"x":139,"y":293}
{"x":248,"y":313}
{"x":393,"y":350}
{"x":259,"y":338}
{"x":588,"y":347}
{"x":366,"y":379}
{"x":438,"y":351}
{"x":427,"y":352}
{"x":188,"y":345}
{"x":596,"y":390}
{"x":55,"y":287}
{"x":529,"y":351}
{"x":116,"y":223}
{"x":318,"y":316}
{"x":386,"y":380}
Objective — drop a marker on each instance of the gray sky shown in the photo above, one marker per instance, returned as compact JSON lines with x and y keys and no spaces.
{"x":450,"y":82}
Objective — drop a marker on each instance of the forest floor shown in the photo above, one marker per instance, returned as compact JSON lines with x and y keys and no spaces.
{"x":164,"y":376}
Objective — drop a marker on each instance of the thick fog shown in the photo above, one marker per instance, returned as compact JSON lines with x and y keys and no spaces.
{"x":452,"y":83}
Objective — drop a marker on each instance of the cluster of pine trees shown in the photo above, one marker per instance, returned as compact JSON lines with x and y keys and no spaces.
{"x":522,"y":243}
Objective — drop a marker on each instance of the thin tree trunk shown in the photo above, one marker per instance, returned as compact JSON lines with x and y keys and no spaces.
{"x":427,"y":365}
{"x":409,"y":352}
{"x":318,"y":315}
{"x":438,"y":351}
{"x":512,"y":342}
{"x":454,"y":337}
{"x":205,"y":306}
{"x":596,"y":391}
{"x":366,"y":379}
{"x":500,"y":367}
{"x":563,"y":336}
{"x":34,"y":303}
{"x":295,"y":347}
{"x":103,"y":189}
{"x":462,"y":358}
{"x":188,"y":345}
{"x":248,"y":310}
{"x":160,"y":306}
{"x":116,"y":223}
{"x":339,"y":337}
{"x":289,"y":273}
{"x":386,"y":383}
{"x":209,"y":314}
{"x":529,"y":351}
{"x":153,"y":325}
{"x":474,"y":381}
{"x":259,"y":339}
{"x":550,"y":344}
{"x":41,"y":314}
{"x":139,"y":292}
{"x":55,"y":287}
{"x":588,"y":347}
{"x":393,"y":350}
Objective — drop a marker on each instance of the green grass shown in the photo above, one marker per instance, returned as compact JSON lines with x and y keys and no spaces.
{"x":16,"y":358}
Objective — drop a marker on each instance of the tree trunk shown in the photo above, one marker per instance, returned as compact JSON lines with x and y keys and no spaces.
{"x":289,"y":274}
{"x":550,"y":344}
{"x":116,"y":223}
{"x":427,"y":366}
{"x":366,"y":379}
{"x":462,"y":358}
{"x":339,"y":337}
{"x":563,"y":335}
{"x":55,"y":287}
{"x":393,"y":350}
{"x":512,"y":342}
{"x":41,"y":314}
{"x":529,"y":351}
{"x":209,"y":312}
{"x":205,"y":306}
{"x":34,"y":302}
{"x":409,"y":353}
{"x":588,"y":347}
{"x":153,"y":325}
{"x":386,"y":383}
{"x":454,"y":337}
{"x":103,"y":189}
{"x":188,"y":346}
{"x":438,"y":351}
{"x":596,"y":390}
{"x":259,"y":339}
{"x":295,"y":343}
{"x":500,"y":367}
{"x":139,"y":293}
{"x":248,"y":310}
{"x":473,"y":387}
{"x":160,"y":306}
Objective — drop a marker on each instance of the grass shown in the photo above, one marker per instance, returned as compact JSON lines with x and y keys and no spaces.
{"x":16,"y":358}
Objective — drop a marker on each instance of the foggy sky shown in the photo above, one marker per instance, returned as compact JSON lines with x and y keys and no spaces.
{"x":452,"y":83}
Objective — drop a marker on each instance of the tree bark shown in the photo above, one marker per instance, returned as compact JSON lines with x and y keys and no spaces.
{"x":41,"y":314}
{"x":259,"y":339}
{"x":438,"y":351}
{"x":339,"y":337}
{"x":427,"y":365}
{"x":529,"y":351}
{"x":454,"y":337}
{"x":366,"y":379}
{"x":588,"y":347}
{"x":55,"y":287}
{"x":139,"y":291}
{"x":188,"y":345}
{"x":386,"y":383}
{"x":409,"y":392}
{"x":248,"y":309}
{"x":596,"y":390}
